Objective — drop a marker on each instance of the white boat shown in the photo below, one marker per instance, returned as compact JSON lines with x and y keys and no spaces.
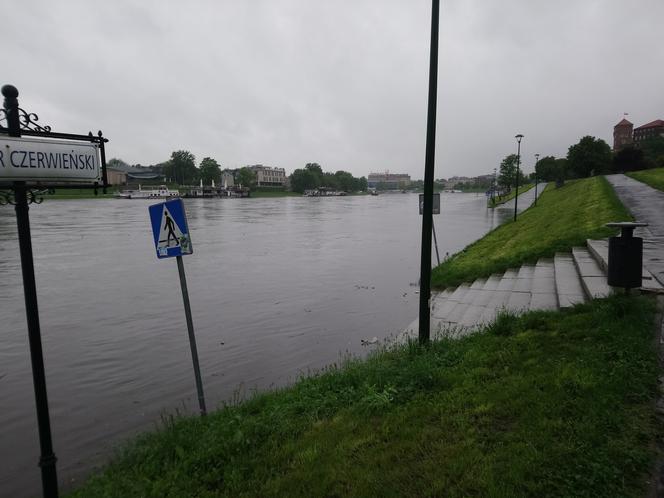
{"x":160,"y":192}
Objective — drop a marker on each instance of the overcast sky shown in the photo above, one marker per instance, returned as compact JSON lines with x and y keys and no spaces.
{"x":338,"y":82}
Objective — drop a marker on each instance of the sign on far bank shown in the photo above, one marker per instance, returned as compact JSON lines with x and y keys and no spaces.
{"x":169,"y":229}
{"x":436,"y":203}
{"x":48,"y":161}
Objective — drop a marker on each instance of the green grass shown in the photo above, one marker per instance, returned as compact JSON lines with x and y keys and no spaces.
{"x":653,"y":177}
{"x":563,"y":218}
{"x":502,"y":200}
{"x":549,"y":404}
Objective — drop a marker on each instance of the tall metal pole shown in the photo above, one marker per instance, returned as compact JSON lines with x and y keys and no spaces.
{"x":47,"y":458}
{"x":536,"y":161}
{"x":518,"y":161}
{"x":427,"y":209}
{"x":493,"y":188}
{"x":192,"y":337}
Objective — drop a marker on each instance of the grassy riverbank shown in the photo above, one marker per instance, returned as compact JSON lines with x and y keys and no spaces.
{"x":497,"y":201}
{"x":653,"y":177}
{"x":548,"y":404}
{"x":564,"y":217}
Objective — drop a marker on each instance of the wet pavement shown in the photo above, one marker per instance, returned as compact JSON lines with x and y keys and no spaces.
{"x":646,"y":205}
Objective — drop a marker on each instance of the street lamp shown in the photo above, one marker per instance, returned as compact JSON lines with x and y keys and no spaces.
{"x":536,"y":161}
{"x":518,"y":160}
{"x":494,"y":187}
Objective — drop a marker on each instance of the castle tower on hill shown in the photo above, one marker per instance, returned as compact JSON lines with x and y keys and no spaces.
{"x":622,"y":134}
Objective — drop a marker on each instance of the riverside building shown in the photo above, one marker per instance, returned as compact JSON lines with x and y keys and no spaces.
{"x":267,"y":176}
{"x":388,"y":181}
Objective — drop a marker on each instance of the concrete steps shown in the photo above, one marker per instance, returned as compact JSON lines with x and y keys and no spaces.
{"x":564,"y":281}
{"x":593,"y":277}
{"x":568,"y":285}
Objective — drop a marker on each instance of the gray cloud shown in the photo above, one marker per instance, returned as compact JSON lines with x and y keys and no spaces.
{"x":343,"y":83}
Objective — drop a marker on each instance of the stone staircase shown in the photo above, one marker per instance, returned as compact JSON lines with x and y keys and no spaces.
{"x":551,"y":284}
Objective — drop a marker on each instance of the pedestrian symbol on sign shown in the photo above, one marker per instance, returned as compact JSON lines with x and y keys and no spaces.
{"x":169,"y":226}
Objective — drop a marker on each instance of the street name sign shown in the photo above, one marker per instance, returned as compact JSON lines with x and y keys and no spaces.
{"x":48,"y":161}
{"x":169,"y":229}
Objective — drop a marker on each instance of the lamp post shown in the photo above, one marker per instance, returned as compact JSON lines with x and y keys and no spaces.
{"x":518,"y":160}
{"x":536,"y":161}
{"x":494,"y":187}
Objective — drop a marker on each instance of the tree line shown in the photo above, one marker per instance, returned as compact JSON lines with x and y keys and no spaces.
{"x":312,"y":177}
{"x":181,"y":169}
{"x":590,"y":156}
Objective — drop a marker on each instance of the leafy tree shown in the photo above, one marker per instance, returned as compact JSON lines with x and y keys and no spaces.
{"x":181,"y":167}
{"x":628,"y":159}
{"x":345,"y":181}
{"x":546,"y":169}
{"x":590,"y":156}
{"x":330,"y":181}
{"x":562,"y":170}
{"x":245,"y":177}
{"x":507,"y":175}
{"x":314,"y":168}
{"x":210,"y":170}
{"x":312,"y":177}
{"x":304,"y":179}
{"x":653,"y":151}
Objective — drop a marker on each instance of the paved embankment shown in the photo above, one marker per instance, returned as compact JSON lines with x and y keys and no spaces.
{"x":646,"y":205}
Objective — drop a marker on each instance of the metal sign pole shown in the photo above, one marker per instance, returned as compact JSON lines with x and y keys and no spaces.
{"x":192,"y":337}
{"x":47,"y":459}
{"x":427,"y":211}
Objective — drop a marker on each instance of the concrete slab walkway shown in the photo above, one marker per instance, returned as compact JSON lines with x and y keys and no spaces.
{"x":647,"y":205}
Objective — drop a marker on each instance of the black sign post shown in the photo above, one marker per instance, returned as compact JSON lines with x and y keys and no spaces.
{"x":21,"y":193}
{"x":427,"y":208}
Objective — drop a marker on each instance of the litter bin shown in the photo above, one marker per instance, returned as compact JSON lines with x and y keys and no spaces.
{"x":625,"y":256}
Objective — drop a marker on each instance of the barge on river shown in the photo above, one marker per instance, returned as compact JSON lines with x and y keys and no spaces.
{"x":160,"y":192}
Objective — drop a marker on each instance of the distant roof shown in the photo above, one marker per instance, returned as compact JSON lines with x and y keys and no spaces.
{"x":652,"y":124}
{"x":624,"y":122}
{"x":144,"y":176}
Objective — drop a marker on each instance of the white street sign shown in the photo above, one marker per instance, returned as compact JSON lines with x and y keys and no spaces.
{"x":48,"y":161}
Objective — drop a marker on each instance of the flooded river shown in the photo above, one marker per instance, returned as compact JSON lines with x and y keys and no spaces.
{"x":278,"y":287}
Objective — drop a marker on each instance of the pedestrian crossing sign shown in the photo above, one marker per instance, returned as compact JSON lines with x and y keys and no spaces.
{"x":169,"y":229}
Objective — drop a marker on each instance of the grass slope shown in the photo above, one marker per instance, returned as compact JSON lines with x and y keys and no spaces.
{"x":653,"y":177}
{"x":497,"y":201}
{"x":547,"y":404}
{"x":563,"y":218}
